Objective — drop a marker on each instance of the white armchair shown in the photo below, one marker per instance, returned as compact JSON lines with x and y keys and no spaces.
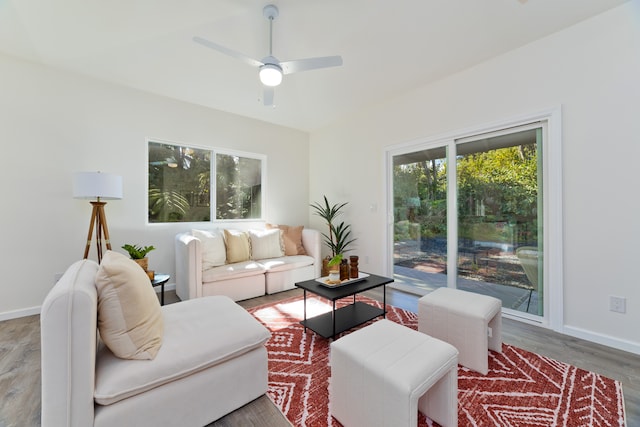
{"x":211,"y":362}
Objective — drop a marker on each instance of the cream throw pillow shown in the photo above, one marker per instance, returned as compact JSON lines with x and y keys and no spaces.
{"x":214,"y":252}
{"x":266,"y":244}
{"x":129,"y":316}
{"x":237,"y":246}
{"x":292,"y":236}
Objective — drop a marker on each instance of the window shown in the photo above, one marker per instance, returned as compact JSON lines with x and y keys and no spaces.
{"x":238,"y":187}
{"x":181,"y":189}
{"x":500,"y":221}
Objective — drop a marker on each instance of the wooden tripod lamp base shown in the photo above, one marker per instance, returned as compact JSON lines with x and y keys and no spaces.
{"x":97,"y":185}
{"x":99,"y":220}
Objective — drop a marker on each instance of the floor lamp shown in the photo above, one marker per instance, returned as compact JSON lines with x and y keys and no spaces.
{"x":99,"y":186}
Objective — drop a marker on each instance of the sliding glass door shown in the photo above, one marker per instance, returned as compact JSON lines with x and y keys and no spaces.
{"x":499,"y":182}
{"x":420,"y":218}
{"x":468,"y":213}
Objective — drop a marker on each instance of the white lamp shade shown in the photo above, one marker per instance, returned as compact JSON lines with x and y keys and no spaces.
{"x":270,"y":75}
{"x":91,"y":185}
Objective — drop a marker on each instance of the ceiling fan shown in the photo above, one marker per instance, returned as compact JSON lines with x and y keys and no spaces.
{"x":270,"y":69}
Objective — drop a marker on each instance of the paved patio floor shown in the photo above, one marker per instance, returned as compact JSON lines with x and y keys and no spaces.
{"x":421,"y":283}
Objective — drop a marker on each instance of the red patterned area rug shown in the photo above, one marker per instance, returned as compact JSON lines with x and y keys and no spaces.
{"x":521,"y":388}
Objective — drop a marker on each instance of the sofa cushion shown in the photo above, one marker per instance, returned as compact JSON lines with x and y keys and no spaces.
{"x":292,"y":237}
{"x":237,"y":243}
{"x":232,"y":271}
{"x":286,"y":263}
{"x":214,"y":251}
{"x":199,"y":333}
{"x":266,"y":243}
{"x":129,"y":316}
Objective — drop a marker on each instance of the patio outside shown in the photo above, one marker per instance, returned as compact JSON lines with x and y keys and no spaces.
{"x":420,"y":267}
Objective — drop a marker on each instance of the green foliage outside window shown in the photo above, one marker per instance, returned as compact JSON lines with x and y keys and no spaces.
{"x":180,"y":185}
{"x":495,"y":186}
{"x":238,"y":187}
{"x":420,"y":193}
{"x":498,"y":187}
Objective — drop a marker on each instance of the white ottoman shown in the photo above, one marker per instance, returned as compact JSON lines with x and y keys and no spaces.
{"x":470,"y":322}
{"x":382,"y":374}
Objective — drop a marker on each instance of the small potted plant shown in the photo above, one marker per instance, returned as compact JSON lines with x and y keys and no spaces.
{"x":139,"y":254}
{"x":339,"y":238}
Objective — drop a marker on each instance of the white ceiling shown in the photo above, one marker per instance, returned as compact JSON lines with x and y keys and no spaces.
{"x":388,"y":47}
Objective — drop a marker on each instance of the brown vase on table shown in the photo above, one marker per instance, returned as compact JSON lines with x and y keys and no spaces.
{"x":344,"y":270}
{"x":353,"y":267}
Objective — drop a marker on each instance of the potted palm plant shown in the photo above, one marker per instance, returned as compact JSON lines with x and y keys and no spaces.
{"x":339,"y":238}
{"x":139,"y":254}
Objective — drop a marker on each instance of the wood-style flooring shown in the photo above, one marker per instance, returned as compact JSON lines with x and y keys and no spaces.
{"x":20,"y":365}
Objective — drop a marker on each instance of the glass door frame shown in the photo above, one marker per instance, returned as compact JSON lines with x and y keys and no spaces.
{"x":550,"y":121}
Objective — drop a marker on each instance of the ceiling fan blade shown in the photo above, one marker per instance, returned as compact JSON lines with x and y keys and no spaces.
{"x":267,"y":98}
{"x":297,"y":65}
{"x":244,"y":58}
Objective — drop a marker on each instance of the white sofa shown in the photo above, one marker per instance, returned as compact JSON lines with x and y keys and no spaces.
{"x":246,"y":279}
{"x":201,"y":372}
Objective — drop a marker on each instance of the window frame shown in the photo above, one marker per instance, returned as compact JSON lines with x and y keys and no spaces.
{"x":552,"y":203}
{"x":213,"y":152}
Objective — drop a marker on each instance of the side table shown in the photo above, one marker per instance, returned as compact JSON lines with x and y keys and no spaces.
{"x":160,"y":279}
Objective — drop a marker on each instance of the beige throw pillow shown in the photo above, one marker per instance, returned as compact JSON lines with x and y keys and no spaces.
{"x":266,"y":244}
{"x":129,"y":316}
{"x":214,"y":252}
{"x":237,"y":243}
{"x":292,"y":237}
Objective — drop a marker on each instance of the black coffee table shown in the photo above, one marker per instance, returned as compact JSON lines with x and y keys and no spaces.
{"x":329,"y":324}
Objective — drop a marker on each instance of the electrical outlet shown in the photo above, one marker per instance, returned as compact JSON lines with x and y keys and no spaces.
{"x":617,"y":304}
{"x":490,"y":332}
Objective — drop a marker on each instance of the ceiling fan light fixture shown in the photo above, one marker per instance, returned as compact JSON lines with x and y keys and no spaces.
{"x":270,"y":70}
{"x":270,"y":75}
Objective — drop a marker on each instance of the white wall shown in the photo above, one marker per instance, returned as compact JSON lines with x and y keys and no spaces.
{"x":591,"y":70}
{"x":53,"y":123}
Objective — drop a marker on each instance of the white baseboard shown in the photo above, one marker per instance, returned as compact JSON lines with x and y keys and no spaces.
{"x":620,"y":344}
{"x":23,"y":312}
